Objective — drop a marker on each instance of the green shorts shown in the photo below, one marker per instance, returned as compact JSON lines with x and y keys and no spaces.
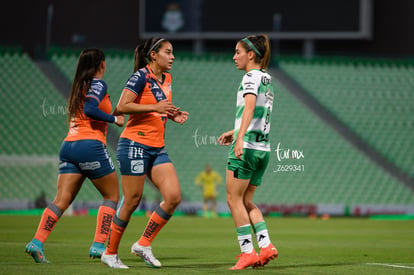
{"x":251,"y":166}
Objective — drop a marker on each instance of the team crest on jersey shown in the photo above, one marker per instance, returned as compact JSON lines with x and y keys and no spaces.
{"x":156,"y":91}
{"x":155,"y":86}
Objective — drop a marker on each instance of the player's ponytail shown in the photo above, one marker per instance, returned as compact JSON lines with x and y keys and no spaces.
{"x":260,"y":45}
{"x":142,"y":55}
{"x":139,"y":58}
{"x":88,"y":64}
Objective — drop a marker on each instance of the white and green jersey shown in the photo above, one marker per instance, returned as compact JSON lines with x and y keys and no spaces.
{"x":256,"y":82}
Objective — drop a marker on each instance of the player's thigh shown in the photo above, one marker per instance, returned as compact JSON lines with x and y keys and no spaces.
{"x":68,"y":186}
{"x":132,"y":186}
{"x":236,"y":187}
{"x":108,"y":186}
{"x":132,"y":189}
{"x":165,"y":179}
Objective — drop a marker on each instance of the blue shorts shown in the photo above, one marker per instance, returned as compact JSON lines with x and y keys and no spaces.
{"x":136,"y":159}
{"x":87,"y":157}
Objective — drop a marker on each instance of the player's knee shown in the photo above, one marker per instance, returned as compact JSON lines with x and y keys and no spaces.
{"x":232,"y":201}
{"x":249,"y":205}
{"x":174,"y":201}
{"x":131,"y":203}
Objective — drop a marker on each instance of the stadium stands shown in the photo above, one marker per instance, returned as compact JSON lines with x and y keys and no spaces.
{"x":374,"y":98}
{"x":33,"y":125}
{"x":331,"y":171}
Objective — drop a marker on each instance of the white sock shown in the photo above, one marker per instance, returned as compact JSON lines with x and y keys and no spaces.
{"x":245,"y":238}
{"x":246,"y":244}
{"x":263,"y":239}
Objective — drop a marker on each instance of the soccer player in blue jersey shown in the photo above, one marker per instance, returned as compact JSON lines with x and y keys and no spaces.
{"x":250,"y":149}
{"x":147,"y":99}
{"x":83,"y":154}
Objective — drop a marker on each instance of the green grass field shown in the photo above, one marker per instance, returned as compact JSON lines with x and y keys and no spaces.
{"x":195,"y":245}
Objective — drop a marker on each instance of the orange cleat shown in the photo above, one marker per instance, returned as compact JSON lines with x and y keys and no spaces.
{"x":246,"y":260}
{"x":267,"y":254}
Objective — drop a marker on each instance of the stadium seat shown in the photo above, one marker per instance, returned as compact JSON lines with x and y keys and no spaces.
{"x":371,"y":98}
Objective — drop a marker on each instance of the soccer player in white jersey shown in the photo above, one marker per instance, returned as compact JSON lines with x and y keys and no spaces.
{"x":250,"y":150}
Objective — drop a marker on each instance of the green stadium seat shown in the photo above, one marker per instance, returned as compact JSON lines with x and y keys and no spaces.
{"x":335,"y":172}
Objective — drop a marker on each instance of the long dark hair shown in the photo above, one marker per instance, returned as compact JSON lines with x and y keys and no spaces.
{"x":142,"y":52}
{"x":262,"y":45}
{"x":88,"y":64}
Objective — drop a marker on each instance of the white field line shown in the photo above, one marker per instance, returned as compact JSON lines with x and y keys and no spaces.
{"x":392,"y":265}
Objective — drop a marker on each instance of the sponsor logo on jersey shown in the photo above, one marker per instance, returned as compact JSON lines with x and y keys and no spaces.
{"x":269,"y":96}
{"x":249,"y":86}
{"x":133,"y":79}
{"x":96,"y":88}
{"x":266,"y":80}
{"x":159,"y":95}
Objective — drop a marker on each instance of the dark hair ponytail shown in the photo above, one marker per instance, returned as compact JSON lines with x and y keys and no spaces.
{"x":88,"y":64}
{"x":142,"y":55}
{"x":260,"y":45}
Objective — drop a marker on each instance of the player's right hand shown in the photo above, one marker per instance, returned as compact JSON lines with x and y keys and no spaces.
{"x":165,"y":107}
{"x":226,"y":138}
{"x":120,"y":120}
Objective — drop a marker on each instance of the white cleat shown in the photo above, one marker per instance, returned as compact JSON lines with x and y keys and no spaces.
{"x":145,"y":252}
{"x":112,"y":261}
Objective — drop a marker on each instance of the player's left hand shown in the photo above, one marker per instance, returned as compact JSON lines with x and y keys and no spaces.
{"x":179,"y":116}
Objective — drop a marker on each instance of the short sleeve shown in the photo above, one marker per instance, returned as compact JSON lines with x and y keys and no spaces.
{"x":98,"y":90}
{"x":136,"y":83}
{"x":249,"y":84}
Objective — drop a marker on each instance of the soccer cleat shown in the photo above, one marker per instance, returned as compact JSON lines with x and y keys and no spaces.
{"x":145,"y":252}
{"x":246,"y":260}
{"x":36,"y":252}
{"x":267,"y":254}
{"x":112,"y":261}
{"x":96,"y":250}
